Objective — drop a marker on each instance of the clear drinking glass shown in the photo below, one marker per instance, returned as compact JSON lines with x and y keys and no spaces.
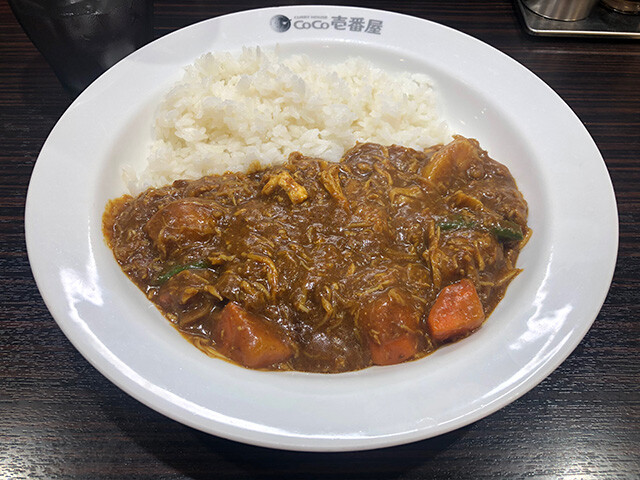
{"x":82,"y":38}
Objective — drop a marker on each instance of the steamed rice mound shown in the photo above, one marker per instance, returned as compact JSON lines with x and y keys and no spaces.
{"x":231,"y":111}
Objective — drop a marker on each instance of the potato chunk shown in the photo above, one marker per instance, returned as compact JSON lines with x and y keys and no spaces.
{"x":180,"y":222}
{"x":391,"y":327}
{"x":248,"y":339}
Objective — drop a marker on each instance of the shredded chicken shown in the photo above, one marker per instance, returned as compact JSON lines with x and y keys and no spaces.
{"x":325,"y":267}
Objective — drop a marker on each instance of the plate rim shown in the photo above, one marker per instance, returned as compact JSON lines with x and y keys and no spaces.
{"x":297,"y":443}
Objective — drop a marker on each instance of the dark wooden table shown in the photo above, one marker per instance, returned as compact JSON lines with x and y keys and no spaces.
{"x":60,"y":418}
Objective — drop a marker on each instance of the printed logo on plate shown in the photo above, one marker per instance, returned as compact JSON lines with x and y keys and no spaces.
{"x":282,"y":23}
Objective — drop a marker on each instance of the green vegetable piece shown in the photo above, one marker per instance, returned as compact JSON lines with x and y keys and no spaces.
{"x":449,"y":225}
{"x":504,"y":230}
{"x":507,"y":231}
{"x":179,"y":268}
{"x":456,"y":223}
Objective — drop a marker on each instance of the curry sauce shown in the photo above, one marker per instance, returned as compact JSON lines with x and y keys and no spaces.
{"x":328,"y":267}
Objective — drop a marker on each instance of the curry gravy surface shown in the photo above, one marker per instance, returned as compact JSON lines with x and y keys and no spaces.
{"x":312,"y":265}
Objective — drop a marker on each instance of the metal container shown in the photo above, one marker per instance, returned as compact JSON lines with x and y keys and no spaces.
{"x":565,"y":10}
{"x":623,"y":6}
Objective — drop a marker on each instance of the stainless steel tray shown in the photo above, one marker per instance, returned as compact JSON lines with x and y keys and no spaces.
{"x":601,"y":23}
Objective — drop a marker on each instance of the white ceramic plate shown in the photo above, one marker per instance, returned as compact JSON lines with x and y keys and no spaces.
{"x":568,"y":264}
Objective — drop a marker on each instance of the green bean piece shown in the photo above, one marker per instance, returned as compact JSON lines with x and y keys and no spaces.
{"x":507,"y":231}
{"x":179,"y":268}
{"x":456,"y":223}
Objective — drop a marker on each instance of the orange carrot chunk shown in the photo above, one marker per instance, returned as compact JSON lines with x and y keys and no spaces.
{"x":248,"y":339}
{"x":391,"y":328}
{"x":393,"y":351}
{"x":456,"y":312}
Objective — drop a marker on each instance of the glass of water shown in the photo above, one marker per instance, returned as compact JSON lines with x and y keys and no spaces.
{"x":80,"y":39}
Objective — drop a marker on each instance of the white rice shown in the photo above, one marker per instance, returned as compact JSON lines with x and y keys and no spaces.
{"x":230,"y":111}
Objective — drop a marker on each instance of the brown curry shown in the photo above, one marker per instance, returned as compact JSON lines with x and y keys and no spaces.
{"x":328,"y":267}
